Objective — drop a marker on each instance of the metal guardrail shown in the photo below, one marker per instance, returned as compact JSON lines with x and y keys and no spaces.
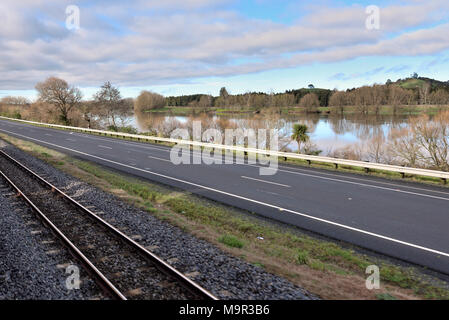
{"x":286,"y":155}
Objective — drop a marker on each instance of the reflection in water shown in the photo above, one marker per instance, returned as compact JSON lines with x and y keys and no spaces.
{"x":327,"y":132}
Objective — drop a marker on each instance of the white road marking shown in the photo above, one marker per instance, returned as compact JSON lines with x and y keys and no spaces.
{"x":47,"y":134}
{"x":244,"y":198}
{"x":278,"y":184}
{"x":159,"y":159}
{"x":105,"y":147}
{"x":73,"y":140}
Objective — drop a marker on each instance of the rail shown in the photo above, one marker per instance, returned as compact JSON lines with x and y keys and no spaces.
{"x":92,"y":269}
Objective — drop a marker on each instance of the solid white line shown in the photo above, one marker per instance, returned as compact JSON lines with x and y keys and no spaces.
{"x":246,"y":199}
{"x":105,"y":147}
{"x":159,"y":159}
{"x":278,"y":184}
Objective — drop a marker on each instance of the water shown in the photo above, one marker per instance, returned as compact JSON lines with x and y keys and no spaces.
{"x":327,"y":132}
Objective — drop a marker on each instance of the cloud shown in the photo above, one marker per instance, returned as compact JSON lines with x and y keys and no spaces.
{"x":367,"y":74}
{"x":143,"y":43}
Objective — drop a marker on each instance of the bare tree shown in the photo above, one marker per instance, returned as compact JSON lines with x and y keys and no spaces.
{"x":148,"y":100}
{"x":378,"y":97}
{"x":396,"y":97}
{"x":310,"y":102}
{"x":363,"y":99}
{"x":424,"y":91}
{"x":439,"y":97}
{"x":110,"y":104}
{"x":87,"y":112}
{"x":376,"y":148}
{"x":205,"y":102}
{"x":14,"y":101}
{"x":433,"y":136}
{"x":404,"y":146}
{"x":338,"y":101}
{"x":59,"y":94}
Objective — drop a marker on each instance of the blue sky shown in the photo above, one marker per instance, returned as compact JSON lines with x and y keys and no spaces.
{"x":198,"y":46}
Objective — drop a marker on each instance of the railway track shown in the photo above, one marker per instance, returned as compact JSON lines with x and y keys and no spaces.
{"x":121,"y":266}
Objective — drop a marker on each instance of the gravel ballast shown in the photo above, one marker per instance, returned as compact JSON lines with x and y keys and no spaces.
{"x":32,"y":261}
{"x":224,"y":275}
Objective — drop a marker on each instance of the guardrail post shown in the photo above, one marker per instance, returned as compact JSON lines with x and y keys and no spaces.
{"x":366,"y":170}
{"x":309,"y":162}
{"x":444,"y":180}
{"x":336,"y":165}
{"x":403,"y":175}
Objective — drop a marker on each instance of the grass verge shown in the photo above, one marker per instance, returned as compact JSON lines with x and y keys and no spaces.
{"x":322,"y":267}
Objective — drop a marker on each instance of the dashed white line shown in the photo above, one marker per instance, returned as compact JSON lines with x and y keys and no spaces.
{"x":159,"y":159}
{"x":104,"y":147}
{"x":265,"y":181}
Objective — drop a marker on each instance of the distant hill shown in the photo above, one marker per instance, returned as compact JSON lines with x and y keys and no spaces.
{"x":414,"y":83}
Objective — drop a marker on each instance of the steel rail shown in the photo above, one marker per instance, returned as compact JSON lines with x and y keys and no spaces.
{"x":102,"y":281}
{"x":156,"y":260}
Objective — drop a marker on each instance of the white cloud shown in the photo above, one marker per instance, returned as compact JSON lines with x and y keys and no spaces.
{"x":154,"y":42}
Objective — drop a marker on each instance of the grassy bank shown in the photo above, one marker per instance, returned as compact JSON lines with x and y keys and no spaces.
{"x":348,"y":110}
{"x":325,"y":268}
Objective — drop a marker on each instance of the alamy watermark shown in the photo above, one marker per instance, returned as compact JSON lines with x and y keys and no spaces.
{"x":73,"y":280}
{"x":262,"y":139}
{"x":373,"y":280}
{"x":372,"y":22}
{"x":72,"y":21}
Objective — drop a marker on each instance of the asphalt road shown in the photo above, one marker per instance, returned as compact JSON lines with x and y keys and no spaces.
{"x":404,"y":220}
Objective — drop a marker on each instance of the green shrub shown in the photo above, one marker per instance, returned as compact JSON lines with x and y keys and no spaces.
{"x":303,"y":257}
{"x":127,"y":129}
{"x":231,"y":241}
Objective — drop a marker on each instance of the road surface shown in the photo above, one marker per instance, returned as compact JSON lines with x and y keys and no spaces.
{"x":408,"y":221}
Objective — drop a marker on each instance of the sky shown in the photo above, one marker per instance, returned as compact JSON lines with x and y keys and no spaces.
{"x":177,"y":47}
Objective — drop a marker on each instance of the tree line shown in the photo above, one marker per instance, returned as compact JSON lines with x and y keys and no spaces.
{"x":255,"y":100}
{"x":364,"y":99}
{"x":59,"y":102}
